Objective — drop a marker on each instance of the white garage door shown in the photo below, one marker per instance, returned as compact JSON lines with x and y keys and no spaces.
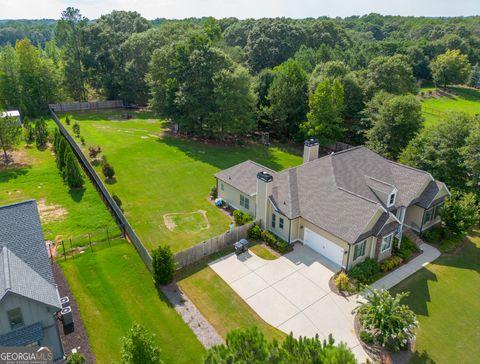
{"x":325,"y":247}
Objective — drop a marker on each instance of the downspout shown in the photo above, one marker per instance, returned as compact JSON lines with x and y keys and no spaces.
{"x":290,"y":232}
{"x":348,"y":257}
{"x":423,"y":219}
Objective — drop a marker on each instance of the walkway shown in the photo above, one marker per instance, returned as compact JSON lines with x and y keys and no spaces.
{"x":429,"y":255}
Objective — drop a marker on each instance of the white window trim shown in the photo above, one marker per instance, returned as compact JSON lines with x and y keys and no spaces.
{"x":391,"y":243}
{"x":364,"y":249}
{"x":394,"y":194}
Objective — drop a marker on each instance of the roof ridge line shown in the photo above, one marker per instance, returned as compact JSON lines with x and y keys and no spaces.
{"x":380,"y":181}
{"x":357,"y":195}
{"x":412,"y":168}
{"x":348,"y":150}
{"x":258,"y":164}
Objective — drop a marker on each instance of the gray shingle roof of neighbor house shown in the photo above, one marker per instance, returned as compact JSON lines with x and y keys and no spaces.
{"x":243,"y":176}
{"x":23,"y":336}
{"x":24,"y":264}
{"x":336,"y":192}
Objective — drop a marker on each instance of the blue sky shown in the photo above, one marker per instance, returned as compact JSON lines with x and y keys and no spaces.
{"x":35,"y":9}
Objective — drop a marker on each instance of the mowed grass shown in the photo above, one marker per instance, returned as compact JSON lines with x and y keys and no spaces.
{"x":221,"y":306}
{"x":461,"y":99}
{"x":261,"y":251}
{"x":113,"y":289}
{"x":446,"y":298}
{"x":34,"y":175}
{"x":158,"y":174}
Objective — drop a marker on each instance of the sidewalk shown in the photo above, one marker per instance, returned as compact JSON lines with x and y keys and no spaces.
{"x":429,"y":255}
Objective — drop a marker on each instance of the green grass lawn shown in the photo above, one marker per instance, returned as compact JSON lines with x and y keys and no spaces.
{"x":34,"y":175}
{"x":260,"y":250}
{"x":158,"y":175}
{"x":113,"y":289}
{"x":464,"y":99}
{"x":446,"y":298}
{"x":221,"y":306}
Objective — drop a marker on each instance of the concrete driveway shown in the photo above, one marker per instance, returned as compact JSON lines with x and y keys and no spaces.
{"x":292,"y":294}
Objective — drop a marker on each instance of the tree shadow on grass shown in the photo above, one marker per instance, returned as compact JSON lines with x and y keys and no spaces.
{"x":76,"y":194}
{"x":223,"y":156}
{"x":107,"y":114}
{"x":12,"y":172}
{"x":421,"y":358}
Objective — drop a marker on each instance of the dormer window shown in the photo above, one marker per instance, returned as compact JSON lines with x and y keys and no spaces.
{"x":391,"y":199}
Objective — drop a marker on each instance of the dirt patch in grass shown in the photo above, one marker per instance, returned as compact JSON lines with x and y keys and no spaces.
{"x":51,"y":212}
{"x":187,"y":221}
{"x":17,"y":158}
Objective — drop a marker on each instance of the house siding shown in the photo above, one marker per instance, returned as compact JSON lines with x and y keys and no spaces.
{"x":232,"y":195}
{"x":33,"y":312}
{"x":369,"y":252}
{"x":282,"y":233}
{"x":379,"y":255}
{"x":414,"y":217}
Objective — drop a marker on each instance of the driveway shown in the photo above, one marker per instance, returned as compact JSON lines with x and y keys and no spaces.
{"x":292,"y":294}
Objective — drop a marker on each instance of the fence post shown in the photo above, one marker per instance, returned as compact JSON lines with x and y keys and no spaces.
{"x":64,"y":253}
{"x":90,"y":241}
{"x":71,"y":247}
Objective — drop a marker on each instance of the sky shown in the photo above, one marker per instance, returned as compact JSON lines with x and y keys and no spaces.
{"x":151,"y":9}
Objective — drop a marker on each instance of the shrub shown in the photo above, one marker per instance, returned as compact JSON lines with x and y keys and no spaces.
{"x":460,"y":212}
{"x":75,"y":358}
{"x":390,"y":263}
{"x":41,"y":133}
{"x":275,"y":242}
{"x":72,"y":173}
{"x":241,"y":218}
{"x":82,"y":140}
{"x":67,"y":120}
{"x":94,"y":152}
{"x":28,"y":132}
{"x":213,"y":192}
{"x":76,"y":129}
{"x":451,"y":244}
{"x":255,"y":232}
{"x":108,"y":170}
{"x":434,"y":236}
{"x":139,"y":346}
{"x":342,"y":281}
{"x":365,"y":272}
{"x":117,"y":201}
{"x":366,"y":337}
{"x":407,"y":248}
{"x":163,"y":265}
{"x":389,"y":323}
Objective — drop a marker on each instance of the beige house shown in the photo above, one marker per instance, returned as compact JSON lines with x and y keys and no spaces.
{"x":346,"y":206}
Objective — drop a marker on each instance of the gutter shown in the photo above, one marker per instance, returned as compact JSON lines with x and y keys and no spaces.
{"x":348,"y":257}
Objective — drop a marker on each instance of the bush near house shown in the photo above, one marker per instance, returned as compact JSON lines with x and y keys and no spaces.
{"x":406,"y":250}
{"x":275,"y":242}
{"x":344,"y":284}
{"x":213,"y":193}
{"x":365,"y":272}
{"x":390,"y":263}
{"x":255,"y":232}
{"x":241,"y":218}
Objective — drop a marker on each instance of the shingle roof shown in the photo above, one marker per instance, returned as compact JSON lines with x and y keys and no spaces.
{"x":243,"y":176}
{"x":336,"y":192}
{"x":24,"y":264}
{"x":426,"y":199}
{"x":23,"y":336}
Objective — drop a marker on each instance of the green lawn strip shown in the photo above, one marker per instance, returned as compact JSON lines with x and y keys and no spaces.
{"x":263,"y":252}
{"x":64,"y":212}
{"x":464,"y":100}
{"x":113,"y":289}
{"x":221,"y":306}
{"x":157,"y":174}
{"x":446,"y":298}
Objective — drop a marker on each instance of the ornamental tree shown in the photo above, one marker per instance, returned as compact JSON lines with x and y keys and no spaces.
{"x":139,"y":346}
{"x":10,"y":135}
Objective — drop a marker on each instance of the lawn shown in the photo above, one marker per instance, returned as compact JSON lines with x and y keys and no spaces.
{"x":34,"y":175}
{"x":160,"y":177}
{"x":461,"y":99}
{"x":446,"y":298}
{"x":260,"y":250}
{"x":113,"y":289}
{"x":221,"y":306}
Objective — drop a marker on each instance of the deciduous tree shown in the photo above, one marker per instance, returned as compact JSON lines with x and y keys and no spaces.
{"x":10,"y":135}
{"x":449,"y":68}
{"x":139,"y":347}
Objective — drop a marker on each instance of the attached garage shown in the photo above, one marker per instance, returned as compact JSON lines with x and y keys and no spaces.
{"x":323,"y":246}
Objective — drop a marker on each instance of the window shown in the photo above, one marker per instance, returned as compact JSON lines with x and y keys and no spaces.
{"x":15,"y":318}
{"x":280,"y":223}
{"x":386,"y":242}
{"x":221,"y":187}
{"x":359,"y":250}
{"x":391,"y":199}
{"x":273,"y":220}
{"x":432,"y":214}
{"x":245,"y":202}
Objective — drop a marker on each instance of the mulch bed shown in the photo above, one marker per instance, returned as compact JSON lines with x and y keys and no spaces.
{"x":77,"y":339}
{"x":334,"y":289}
{"x":380,"y":354}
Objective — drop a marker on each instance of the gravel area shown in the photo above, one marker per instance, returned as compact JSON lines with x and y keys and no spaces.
{"x":78,"y":339}
{"x":204,"y":331}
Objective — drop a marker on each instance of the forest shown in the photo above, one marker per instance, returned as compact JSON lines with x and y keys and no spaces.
{"x":334,"y":79}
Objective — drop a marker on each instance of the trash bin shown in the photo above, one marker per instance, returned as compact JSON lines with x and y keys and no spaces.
{"x":241,"y":246}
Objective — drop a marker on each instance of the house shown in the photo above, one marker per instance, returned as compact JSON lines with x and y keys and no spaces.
{"x":347,"y":205}
{"x":13,"y":114}
{"x":29,"y":297}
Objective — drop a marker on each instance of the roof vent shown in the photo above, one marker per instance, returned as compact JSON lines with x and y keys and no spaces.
{"x":311,"y":142}
{"x":264,"y":176}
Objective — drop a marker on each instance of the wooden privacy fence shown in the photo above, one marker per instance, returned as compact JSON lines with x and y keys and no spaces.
{"x":195,"y":253}
{"x":106,"y":197}
{"x":83,"y":106}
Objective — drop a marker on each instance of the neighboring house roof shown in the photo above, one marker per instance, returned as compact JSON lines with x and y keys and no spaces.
{"x":243,"y":176}
{"x":337,"y":192}
{"x":23,"y":336}
{"x":24,"y":264}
